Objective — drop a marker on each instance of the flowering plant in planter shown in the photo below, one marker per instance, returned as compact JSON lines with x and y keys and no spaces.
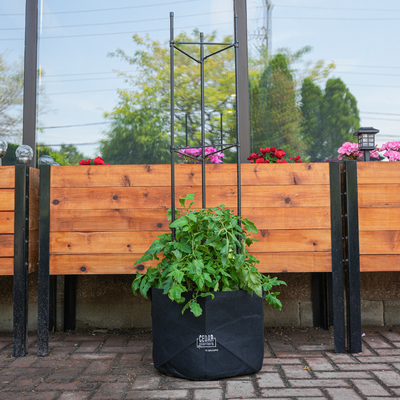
{"x":391,"y":150}
{"x":350,"y":151}
{"x":97,"y":161}
{"x":211,"y":153}
{"x":272,"y":155}
{"x":208,"y":255}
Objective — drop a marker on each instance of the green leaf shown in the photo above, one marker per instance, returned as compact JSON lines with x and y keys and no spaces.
{"x":192,"y":216}
{"x":182,"y":221}
{"x":177,"y":254}
{"x":250,"y":226}
{"x":196,"y":309}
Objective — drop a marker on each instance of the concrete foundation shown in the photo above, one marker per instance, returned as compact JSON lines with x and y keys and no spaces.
{"x":106,"y":301}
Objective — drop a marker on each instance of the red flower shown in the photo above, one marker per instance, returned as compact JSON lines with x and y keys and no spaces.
{"x":281,"y":161}
{"x":279,"y":153}
{"x":266,"y":150}
{"x":273,"y":148}
{"x":259,"y":160}
{"x":253,"y":156}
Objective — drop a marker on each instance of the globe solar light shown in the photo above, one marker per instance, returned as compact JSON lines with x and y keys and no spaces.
{"x":366,"y":140}
{"x":46,"y":160}
{"x":3,"y":148}
{"x":24,"y":154}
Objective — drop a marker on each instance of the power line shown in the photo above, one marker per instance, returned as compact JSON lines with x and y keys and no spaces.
{"x":86,"y":73}
{"x":365,"y":66}
{"x":88,"y":91}
{"x":119,"y":22}
{"x":103,"y":9}
{"x":371,"y":112}
{"x":66,"y":144}
{"x":124,"y":33}
{"x":364,"y":73}
{"x":73,"y":126}
{"x":339,"y":8}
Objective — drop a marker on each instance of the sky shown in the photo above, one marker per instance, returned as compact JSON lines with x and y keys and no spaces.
{"x":80,"y":80}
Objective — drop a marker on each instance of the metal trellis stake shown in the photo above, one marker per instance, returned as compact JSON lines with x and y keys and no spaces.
{"x":174,"y":46}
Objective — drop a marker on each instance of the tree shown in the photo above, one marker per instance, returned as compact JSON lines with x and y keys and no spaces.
{"x":139,"y":131}
{"x":329,"y":118}
{"x":11,"y":96}
{"x":340,"y":114}
{"x":275,"y":113}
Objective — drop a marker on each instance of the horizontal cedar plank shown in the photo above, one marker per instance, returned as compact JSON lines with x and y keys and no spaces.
{"x":386,"y":195}
{"x":158,"y":197}
{"x":379,"y":219}
{"x":294,"y":262}
{"x":7,"y":245}
{"x":380,"y":242}
{"x":139,"y":242}
{"x":108,"y":220}
{"x":289,"y":218}
{"x":7,"y":177}
{"x":96,"y":264}
{"x":123,"y":264}
{"x":7,"y":202}
{"x":101,"y":242}
{"x":377,"y":173}
{"x":6,"y":222}
{"x":156,"y":220}
{"x":188,"y":175}
{"x":299,"y":240}
{"x":6,"y":266}
{"x":379,"y":263}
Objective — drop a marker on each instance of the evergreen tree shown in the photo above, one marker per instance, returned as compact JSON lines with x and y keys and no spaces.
{"x":275,"y":113}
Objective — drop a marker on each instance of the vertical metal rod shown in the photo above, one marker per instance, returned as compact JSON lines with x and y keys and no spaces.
{"x":171,"y":57}
{"x":239,"y":189}
{"x":21,"y":258}
{"x":30,"y":76}
{"x":186,"y":128}
{"x":44,"y":271}
{"x":319,"y":300}
{"x":222,"y":139}
{"x":52,"y":303}
{"x":203,"y":136}
{"x":367,"y":155}
{"x":337,"y":280}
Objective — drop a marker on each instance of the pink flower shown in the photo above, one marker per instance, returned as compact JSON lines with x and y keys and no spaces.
{"x":392,"y":155}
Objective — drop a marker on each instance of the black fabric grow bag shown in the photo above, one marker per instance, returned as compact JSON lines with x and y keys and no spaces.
{"x":226,"y":340}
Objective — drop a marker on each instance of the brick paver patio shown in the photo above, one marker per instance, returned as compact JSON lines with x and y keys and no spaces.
{"x":298,"y":364}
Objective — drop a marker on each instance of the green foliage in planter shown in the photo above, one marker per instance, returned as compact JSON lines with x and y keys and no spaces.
{"x":209,"y":254}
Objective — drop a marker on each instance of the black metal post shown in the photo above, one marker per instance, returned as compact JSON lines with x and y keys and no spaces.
{"x":69,"y":302}
{"x":336,"y":284}
{"x":352,"y":253}
{"x":44,"y":255}
{"x":203,"y":135}
{"x":30,"y":76}
{"x":367,"y":155}
{"x":171,"y":66}
{"x":238,"y":127}
{"x":21,"y":260}
{"x":222,"y":130}
{"x":186,"y":128}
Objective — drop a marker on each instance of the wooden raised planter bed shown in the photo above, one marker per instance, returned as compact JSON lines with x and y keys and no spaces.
{"x":19,"y":212}
{"x":100,"y":219}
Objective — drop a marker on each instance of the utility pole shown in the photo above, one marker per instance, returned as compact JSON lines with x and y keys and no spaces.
{"x":268,"y":25}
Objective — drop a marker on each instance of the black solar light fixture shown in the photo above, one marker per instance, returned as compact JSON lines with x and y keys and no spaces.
{"x":366,"y":140}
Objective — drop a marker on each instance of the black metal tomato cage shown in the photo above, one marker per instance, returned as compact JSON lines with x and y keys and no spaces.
{"x":174,"y":46}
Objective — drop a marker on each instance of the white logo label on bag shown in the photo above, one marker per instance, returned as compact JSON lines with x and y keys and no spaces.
{"x":208,"y":342}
